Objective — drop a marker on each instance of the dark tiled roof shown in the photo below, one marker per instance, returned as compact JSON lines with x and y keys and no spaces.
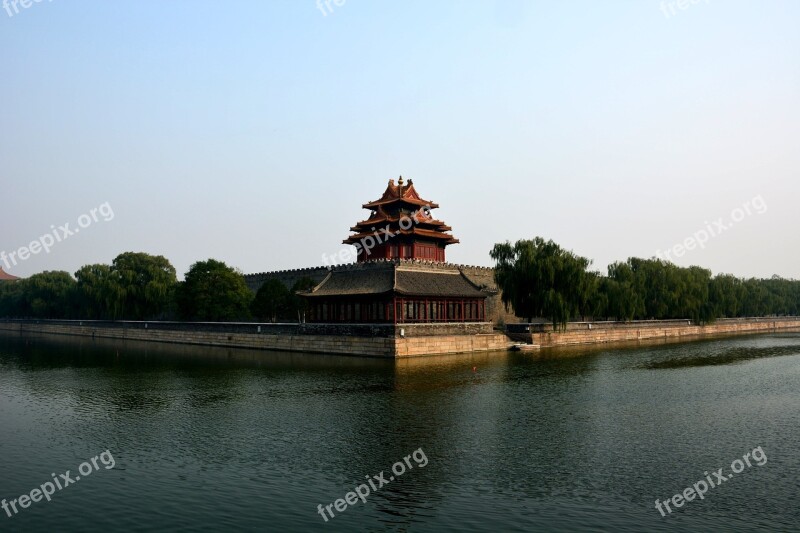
{"x":366,"y":281}
{"x":355,"y":282}
{"x":415,"y":283}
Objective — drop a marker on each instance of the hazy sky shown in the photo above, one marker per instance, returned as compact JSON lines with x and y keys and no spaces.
{"x":252,"y":132}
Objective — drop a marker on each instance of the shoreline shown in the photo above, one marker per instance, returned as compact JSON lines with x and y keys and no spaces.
{"x":396,"y":342}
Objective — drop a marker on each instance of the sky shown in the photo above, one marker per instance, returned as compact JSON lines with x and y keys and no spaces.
{"x":252,"y":132}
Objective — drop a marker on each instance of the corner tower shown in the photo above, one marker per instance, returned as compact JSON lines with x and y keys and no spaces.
{"x":400,"y":226}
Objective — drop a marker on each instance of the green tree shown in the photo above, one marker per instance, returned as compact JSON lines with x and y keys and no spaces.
{"x":656,"y":289}
{"x":147,"y":283}
{"x":12,"y":299}
{"x":757,"y":300}
{"x":726,"y":294}
{"x":599,"y":302}
{"x":49,"y":295}
{"x":540,"y":279}
{"x":99,"y":293}
{"x":696,"y":304}
{"x":624,"y":303}
{"x":297,"y":304}
{"x":625,"y":300}
{"x":651,"y":281}
{"x":271,"y":301}
{"x":213,"y":291}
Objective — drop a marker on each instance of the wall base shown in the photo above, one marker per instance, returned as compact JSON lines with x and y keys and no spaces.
{"x":600,"y":333}
{"x":388,"y":347}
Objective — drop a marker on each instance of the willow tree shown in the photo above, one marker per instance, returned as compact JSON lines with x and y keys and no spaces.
{"x":12,"y":299}
{"x":540,"y":279}
{"x":99,"y":295}
{"x":48,"y":295}
{"x":625,"y":292}
{"x":147,"y":283}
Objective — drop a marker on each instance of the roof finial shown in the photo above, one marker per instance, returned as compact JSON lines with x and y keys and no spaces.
{"x":400,"y":181}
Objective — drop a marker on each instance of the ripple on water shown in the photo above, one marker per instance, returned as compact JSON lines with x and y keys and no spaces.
{"x":218,"y":439}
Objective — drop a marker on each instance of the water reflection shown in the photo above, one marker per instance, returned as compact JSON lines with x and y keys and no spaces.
{"x":211,"y":438}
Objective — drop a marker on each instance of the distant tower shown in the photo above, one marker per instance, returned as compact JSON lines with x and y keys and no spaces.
{"x":401,"y":213}
{"x":4,"y":276}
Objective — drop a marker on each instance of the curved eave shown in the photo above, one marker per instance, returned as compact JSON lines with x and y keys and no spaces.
{"x":364,"y":224}
{"x":409,"y":201}
{"x":417,"y":232}
{"x":424,"y":234}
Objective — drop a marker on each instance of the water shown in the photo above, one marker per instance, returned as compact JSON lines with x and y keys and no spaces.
{"x":565,"y":440}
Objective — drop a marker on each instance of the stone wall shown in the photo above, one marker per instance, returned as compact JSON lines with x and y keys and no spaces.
{"x":397,"y":330}
{"x":434,"y":329}
{"x":254,"y":328}
{"x":522,"y":331}
{"x":264,"y":328}
{"x":293,"y":339}
{"x":419,"y":339}
{"x":287,"y":277}
{"x":496,"y":312}
{"x":446,"y":344}
{"x":599,"y":333}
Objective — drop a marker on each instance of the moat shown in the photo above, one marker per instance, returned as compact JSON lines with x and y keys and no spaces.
{"x":209,"y":439}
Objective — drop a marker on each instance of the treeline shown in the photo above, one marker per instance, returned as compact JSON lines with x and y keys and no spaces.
{"x":139,"y":286}
{"x":539,"y":279}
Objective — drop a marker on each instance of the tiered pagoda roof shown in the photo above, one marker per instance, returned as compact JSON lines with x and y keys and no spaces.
{"x":399,"y":202}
